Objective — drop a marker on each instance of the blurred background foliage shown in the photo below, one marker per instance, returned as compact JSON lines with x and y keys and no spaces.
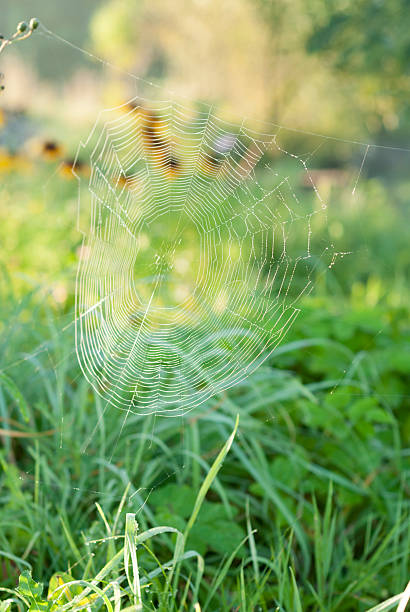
{"x":339,"y":66}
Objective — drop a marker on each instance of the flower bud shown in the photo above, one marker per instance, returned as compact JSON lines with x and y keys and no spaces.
{"x":34,"y":23}
{"x":22,"y":27}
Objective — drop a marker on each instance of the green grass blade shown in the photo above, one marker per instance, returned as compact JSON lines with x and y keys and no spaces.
{"x":16,"y":394}
{"x":130,"y":550}
{"x":224,"y":570}
{"x":216,"y":466}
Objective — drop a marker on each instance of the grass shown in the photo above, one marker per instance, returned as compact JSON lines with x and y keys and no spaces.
{"x":303,"y":505}
{"x":309,"y":511}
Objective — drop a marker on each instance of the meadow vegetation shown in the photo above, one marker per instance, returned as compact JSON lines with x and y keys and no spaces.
{"x":289,"y":492}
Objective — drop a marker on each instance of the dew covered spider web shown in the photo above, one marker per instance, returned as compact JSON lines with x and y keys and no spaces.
{"x":190,"y":273}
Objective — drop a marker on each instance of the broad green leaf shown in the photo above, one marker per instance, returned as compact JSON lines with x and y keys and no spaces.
{"x":28,"y":588}
{"x":220,"y":536}
{"x":32,"y":591}
{"x":61,"y":590}
{"x":178,"y":500}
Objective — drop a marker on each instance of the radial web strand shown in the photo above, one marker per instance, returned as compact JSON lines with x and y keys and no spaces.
{"x":189,"y":274}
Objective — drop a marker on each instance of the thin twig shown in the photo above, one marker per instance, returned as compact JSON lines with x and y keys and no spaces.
{"x":22,"y":32}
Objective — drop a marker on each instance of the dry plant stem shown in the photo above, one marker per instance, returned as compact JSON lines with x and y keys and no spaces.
{"x":16,"y":37}
{"x":405,"y":599}
{"x":22,"y":32}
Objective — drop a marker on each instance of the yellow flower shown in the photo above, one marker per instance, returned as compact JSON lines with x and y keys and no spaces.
{"x":70,"y":167}
{"x":209,"y":164}
{"x":7,"y":161}
{"x":50,"y":150}
{"x":10,"y":162}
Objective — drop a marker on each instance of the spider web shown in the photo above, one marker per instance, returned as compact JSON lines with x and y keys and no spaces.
{"x":189,"y":274}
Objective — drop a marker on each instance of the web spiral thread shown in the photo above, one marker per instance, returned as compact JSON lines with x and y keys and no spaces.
{"x":185,"y":282}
